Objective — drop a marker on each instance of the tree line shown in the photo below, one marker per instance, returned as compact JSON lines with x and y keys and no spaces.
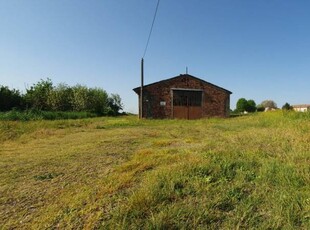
{"x":45,"y":96}
{"x":244,"y":105}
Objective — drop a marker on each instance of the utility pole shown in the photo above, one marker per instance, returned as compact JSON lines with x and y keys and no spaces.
{"x":142,"y":62}
{"x":141,"y":90}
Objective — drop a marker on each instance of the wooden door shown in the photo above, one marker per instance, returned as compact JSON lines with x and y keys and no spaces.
{"x":187,"y":104}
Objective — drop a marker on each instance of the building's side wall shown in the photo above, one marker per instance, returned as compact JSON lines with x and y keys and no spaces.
{"x":158,"y":98}
{"x":301,"y":109}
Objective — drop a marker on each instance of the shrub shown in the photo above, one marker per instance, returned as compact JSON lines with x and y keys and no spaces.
{"x":251,"y":107}
{"x":37,"y":96}
{"x":245,"y":105}
{"x":97,"y":101}
{"x":260,"y":108}
{"x":269,"y":104}
{"x":43,"y":96}
{"x":115,"y":104}
{"x":9,"y":99}
{"x":242,"y":104}
{"x":287,"y":106}
{"x":59,"y":98}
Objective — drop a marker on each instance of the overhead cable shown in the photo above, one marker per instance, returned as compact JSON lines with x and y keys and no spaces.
{"x":149,"y":37}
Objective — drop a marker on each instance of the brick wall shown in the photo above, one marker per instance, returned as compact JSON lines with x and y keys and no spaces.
{"x":158,"y":97}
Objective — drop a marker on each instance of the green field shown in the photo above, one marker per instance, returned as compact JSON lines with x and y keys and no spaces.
{"x":122,"y":173}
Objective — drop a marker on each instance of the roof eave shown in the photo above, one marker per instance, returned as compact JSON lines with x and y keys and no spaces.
{"x":137,"y":89}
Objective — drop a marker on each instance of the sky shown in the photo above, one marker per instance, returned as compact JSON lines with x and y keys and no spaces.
{"x":258,"y":49}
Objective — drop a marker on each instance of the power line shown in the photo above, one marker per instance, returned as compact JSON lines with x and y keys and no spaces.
{"x":148,"y":40}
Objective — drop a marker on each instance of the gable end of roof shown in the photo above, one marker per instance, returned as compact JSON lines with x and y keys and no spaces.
{"x":137,"y":89}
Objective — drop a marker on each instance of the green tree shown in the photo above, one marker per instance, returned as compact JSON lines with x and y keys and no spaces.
{"x":269,"y":104}
{"x":287,"y":106}
{"x":242,"y":105}
{"x":115,"y":104}
{"x":260,"y":108}
{"x":97,"y":101}
{"x":58,"y":98}
{"x":44,"y":96}
{"x":37,"y":96}
{"x":251,"y":107}
{"x":10,"y":99}
{"x":79,"y":98}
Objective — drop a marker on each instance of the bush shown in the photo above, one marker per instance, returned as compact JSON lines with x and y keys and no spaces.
{"x":241,"y":105}
{"x":260,"y":108}
{"x":115,"y":104}
{"x":269,"y":104}
{"x":251,"y":107}
{"x":37,"y":96}
{"x":245,"y":105}
{"x":44,"y":96}
{"x":287,"y":106}
{"x":97,"y":101}
{"x":59,"y":98}
{"x":10,"y":99}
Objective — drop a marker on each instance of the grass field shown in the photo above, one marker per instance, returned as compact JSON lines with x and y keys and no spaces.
{"x":121,"y":173}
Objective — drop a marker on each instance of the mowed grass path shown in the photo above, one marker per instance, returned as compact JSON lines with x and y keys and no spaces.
{"x":122,"y":173}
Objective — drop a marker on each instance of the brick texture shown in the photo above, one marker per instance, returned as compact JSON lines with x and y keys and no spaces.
{"x":157,"y":97}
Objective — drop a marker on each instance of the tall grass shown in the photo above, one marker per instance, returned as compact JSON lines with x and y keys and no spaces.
{"x":248,"y":172}
{"x":32,"y":115}
{"x":297,"y":115}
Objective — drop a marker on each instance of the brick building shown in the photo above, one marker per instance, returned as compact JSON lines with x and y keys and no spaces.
{"x":184,"y":97}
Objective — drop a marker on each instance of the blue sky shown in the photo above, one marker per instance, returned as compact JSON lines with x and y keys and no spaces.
{"x":258,"y":49}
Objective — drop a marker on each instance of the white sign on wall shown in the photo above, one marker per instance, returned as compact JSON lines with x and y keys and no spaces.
{"x":162,"y":103}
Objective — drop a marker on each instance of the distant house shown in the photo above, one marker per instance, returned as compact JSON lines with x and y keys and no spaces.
{"x":301,"y":108}
{"x":267,"y":109}
{"x":184,"y":97}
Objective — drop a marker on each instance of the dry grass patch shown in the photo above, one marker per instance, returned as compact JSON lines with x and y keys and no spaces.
{"x":122,"y":173}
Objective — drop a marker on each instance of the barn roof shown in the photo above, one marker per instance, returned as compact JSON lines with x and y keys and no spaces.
{"x":137,"y":89}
